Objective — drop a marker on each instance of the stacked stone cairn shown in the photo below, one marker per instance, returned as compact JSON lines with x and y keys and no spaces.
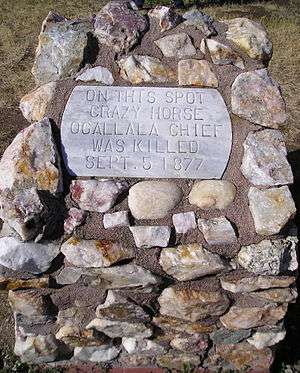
{"x":140,"y":273}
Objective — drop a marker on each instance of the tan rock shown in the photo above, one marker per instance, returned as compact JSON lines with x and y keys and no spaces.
{"x":217,"y":231}
{"x":196,"y":72}
{"x":175,"y":325}
{"x":285,"y":295}
{"x":176,"y":45}
{"x":175,"y":361}
{"x":29,"y":303}
{"x":10,"y":283}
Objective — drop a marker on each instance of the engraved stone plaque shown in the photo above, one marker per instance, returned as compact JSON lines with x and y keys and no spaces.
{"x":153,"y":132}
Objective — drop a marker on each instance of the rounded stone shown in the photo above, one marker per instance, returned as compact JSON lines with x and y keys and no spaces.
{"x":212,"y":194}
{"x":153,"y":199}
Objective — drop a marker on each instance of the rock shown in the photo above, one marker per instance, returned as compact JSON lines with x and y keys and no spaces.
{"x":116,"y":328}
{"x":135,"y":360}
{"x":180,"y":326}
{"x":251,"y":317}
{"x":94,"y":253}
{"x":10,"y":283}
{"x":184,"y":221}
{"x":96,"y":195}
{"x":72,"y":316}
{"x":97,"y":354}
{"x":176,"y":45}
{"x":178,"y":361}
{"x":187,"y":262}
{"x":221,"y":54}
{"x":265,"y":159}
{"x":73,"y":336}
{"x":151,"y":236}
{"x":116,"y":219}
{"x":196,"y":72}
{"x":255,"y":96}
{"x":138,"y":69}
{"x":271,"y":209}
{"x":27,"y":256}
{"x":267,"y":337}
{"x":227,"y":337}
{"x":98,"y":74}
{"x":212,"y":194}
{"x":252,"y":283}
{"x":68,"y":275}
{"x":168,"y":19}
{"x":153,"y":199}
{"x":217,"y":231}
{"x":286,"y":295}
{"x":251,"y":37}
{"x":197,"y":343}
{"x":270,"y":257}
{"x":201,"y":21}
{"x":118,"y":26}
{"x":35,"y":103}
{"x":75,"y":218}
{"x":60,"y":50}
{"x":192,"y":305}
{"x":118,"y":307}
{"x":244,"y":357}
{"x":31,"y":161}
{"x":142,"y":346}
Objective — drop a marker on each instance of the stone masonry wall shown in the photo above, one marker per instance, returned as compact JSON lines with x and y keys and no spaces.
{"x":136,"y":272}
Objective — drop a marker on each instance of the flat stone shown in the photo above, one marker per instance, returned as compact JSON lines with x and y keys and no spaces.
{"x":187,"y":262}
{"x":60,"y":50}
{"x":201,"y":21}
{"x":271,"y":209}
{"x":153,"y":199}
{"x":168,"y":19}
{"x":197,"y":344}
{"x":252,"y":283}
{"x":27,"y":256}
{"x":217,"y":231}
{"x":151,"y":236}
{"x":11,"y":283}
{"x":227,"y":337}
{"x":181,"y":326}
{"x":96,"y":195}
{"x":196,"y":72}
{"x":116,"y":219}
{"x":143,"y":346}
{"x":265,"y":159}
{"x":255,"y":96}
{"x":177,"y":361}
{"x":68,"y":275}
{"x":74,"y":336}
{"x":243,"y":356}
{"x":270,"y":257}
{"x":251,"y":37}
{"x":176,"y":45}
{"x":118,"y":26}
{"x":116,"y":328}
{"x":251,"y":317}
{"x":135,"y":360}
{"x":138,"y":69}
{"x":98,"y":74}
{"x":285,"y":295}
{"x":184,"y":222}
{"x":192,"y":305}
{"x":221,"y":54}
{"x":267,"y":337}
{"x":212,"y":194}
{"x":72,"y":316}
{"x":34,"y":104}
{"x":97,"y":354}
{"x":138,"y":125}
{"x":75,"y":218}
{"x":94,"y":253}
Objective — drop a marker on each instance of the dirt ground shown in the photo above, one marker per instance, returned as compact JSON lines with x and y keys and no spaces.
{"x":20,"y":22}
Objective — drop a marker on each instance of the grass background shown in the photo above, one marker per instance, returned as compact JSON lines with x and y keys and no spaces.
{"x":20,"y":22}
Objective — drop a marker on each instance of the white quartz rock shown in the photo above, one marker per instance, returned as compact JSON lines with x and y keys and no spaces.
{"x":142,"y":346}
{"x":97,"y":354}
{"x":99,"y":74}
{"x":217,"y":231}
{"x":267,"y":337}
{"x":116,"y":219}
{"x":184,"y":221}
{"x":151,"y":236}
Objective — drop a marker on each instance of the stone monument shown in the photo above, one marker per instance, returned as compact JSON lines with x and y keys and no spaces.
{"x":146,"y":209}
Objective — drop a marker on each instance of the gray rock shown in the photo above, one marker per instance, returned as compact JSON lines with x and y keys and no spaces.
{"x":271,"y":209}
{"x":118,"y":26}
{"x":201,"y":21}
{"x":27,"y":256}
{"x":227,"y":337}
{"x":217,"y":231}
{"x":97,"y":354}
{"x":197,"y":72}
{"x":267,"y":337}
{"x":270,"y":257}
{"x":94,"y":253}
{"x":187,"y":262}
{"x":166,"y":16}
{"x":255,"y":96}
{"x":153,"y":199}
{"x":176,"y":45}
{"x":184,"y":221}
{"x":151,"y":236}
{"x":99,"y":74}
{"x":116,"y":219}
{"x":265,"y":159}
{"x":68,"y":275}
{"x":196,"y":343}
{"x":61,"y":48}
{"x":96,"y":195}
{"x":175,"y":361}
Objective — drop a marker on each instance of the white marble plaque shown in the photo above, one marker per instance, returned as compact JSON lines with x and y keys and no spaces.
{"x":153,"y":132}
